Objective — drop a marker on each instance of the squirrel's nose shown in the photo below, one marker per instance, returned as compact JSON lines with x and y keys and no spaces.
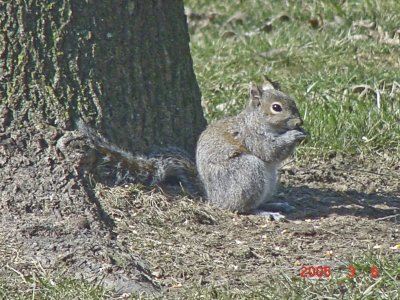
{"x":297,"y":122}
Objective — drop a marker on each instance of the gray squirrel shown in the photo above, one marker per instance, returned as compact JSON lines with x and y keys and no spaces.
{"x":237,"y":158}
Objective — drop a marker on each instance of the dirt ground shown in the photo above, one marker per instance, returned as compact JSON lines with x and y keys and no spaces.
{"x":346,"y":207}
{"x":136,"y":239}
{"x":51,"y":225}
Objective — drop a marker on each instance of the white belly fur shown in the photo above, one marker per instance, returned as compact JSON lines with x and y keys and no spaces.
{"x":271,"y":181}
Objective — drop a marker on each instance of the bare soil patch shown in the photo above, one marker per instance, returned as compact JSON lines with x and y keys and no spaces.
{"x":342,"y":212}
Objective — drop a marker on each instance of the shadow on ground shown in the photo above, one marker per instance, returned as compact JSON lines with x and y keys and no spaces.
{"x":312,"y":203}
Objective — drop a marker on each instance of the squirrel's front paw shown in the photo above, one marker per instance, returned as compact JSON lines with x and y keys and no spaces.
{"x":297,"y":134}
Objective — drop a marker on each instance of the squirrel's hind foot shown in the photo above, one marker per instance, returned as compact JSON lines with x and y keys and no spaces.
{"x":273,"y":216}
{"x":272,"y":210}
{"x":277,"y":207}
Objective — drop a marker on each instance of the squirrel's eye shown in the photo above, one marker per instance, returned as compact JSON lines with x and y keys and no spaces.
{"x":276,"y":107}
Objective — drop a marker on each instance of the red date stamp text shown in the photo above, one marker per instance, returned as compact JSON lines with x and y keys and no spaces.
{"x":325,"y":271}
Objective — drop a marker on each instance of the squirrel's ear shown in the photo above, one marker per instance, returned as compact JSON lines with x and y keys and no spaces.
{"x":270,"y":85}
{"x":255,"y":95}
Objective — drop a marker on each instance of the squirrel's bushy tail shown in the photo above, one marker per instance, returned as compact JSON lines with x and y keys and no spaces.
{"x":169,"y":167}
{"x":174,"y":167}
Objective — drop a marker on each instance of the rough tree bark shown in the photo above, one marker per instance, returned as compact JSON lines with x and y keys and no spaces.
{"x":123,"y":66}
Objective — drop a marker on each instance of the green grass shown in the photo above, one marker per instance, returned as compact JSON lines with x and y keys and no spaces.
{"x":338,"y":286}
{"x":47,"y":287}
{"x":316,"y":66}
{"x":287,"y":285}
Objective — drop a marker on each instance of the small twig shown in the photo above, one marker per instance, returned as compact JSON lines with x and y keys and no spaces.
{"x":365,"y":171}
{"x":331,"y":232}
{"x":288,"y":162}
{"x":351,"y":200}
{"x":18,"y":272}
{"x":378,"y":99}
{"x":388,"y":217}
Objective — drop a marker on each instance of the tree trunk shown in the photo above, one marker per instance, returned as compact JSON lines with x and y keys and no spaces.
{"x":124,"y":67}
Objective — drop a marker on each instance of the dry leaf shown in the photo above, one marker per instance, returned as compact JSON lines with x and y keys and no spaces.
{"x":337,"y":21}
{"x":384,"y":37}
{"x":359,"y":37}
{"x":396,"y":247}
{"x":273,"y":52}
{"x":377,"y":32}
{"x":266,"y":27}
{"x":193,"y":16}
{"x":362,"y":89}
{"x":237,"y":18}
{"x":364,"y":24}
{"x":282,"y":17}
{"x":315,"y":23}
{"x":158,"y":273}
{"x":228,"y":34}
{"x":200,"y":20}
